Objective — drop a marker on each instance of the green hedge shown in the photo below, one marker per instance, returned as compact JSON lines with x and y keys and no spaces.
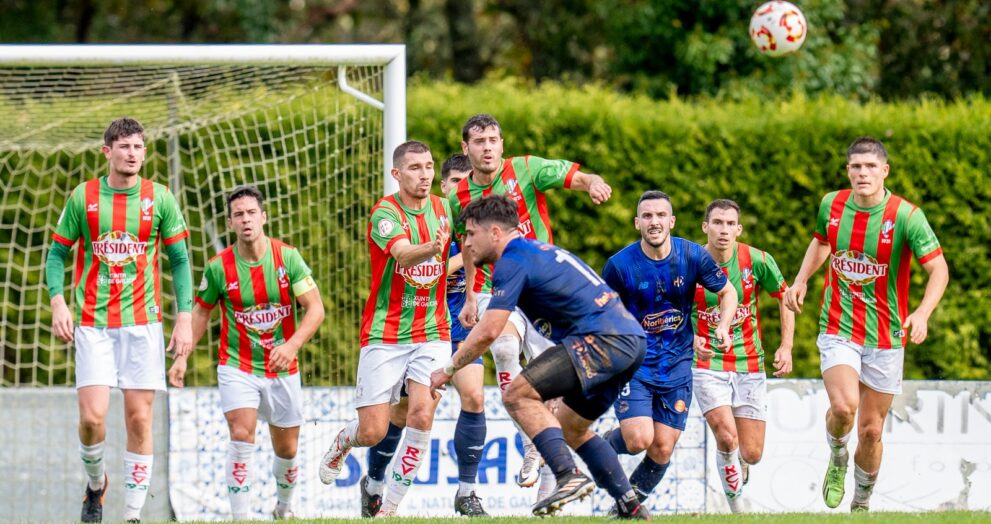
{"x":776,"y":158}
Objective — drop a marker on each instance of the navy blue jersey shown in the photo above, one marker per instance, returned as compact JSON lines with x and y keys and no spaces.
{"x":456,"y":297}
{"x":558,"y":292}
{"x":660,"y":294}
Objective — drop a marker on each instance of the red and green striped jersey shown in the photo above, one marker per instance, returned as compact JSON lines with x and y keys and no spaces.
{"x":865,"y":297}
{"x":258,"y":301}
{"x":524,"y":178}
{"x":749,"y":270}
{"x":117,"y":281}
{"x":406,"y":304}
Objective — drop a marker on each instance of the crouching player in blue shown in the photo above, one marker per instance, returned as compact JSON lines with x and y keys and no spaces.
{"x":599,"y":348}
{"x":469,"y":433}
{"x":656,"y":279}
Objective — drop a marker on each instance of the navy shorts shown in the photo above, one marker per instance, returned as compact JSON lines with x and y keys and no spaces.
{"x":668,"y":406}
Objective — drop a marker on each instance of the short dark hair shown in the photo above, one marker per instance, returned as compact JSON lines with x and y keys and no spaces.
{"x":457,"y":162}
{"x":653,"y":194}
{"x":721,"y":203}
{"x":481,"y":121}
{"x":499,"y":209}
{"x":865,"y":145}
{"x":245,"y":191}
{"x":120,"y":128}
{"x":410,"y":146}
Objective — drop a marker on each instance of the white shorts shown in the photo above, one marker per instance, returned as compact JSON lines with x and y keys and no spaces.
{"x":279,"y":400}
{"x":745,"y":393}
{"x":131,"y":357}
{"x":533,"y":342}
{"x":384,"y":368}
{"x":879,"y":369}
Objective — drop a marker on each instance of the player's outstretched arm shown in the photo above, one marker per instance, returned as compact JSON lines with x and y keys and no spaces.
{"x":283,"y":355}
{"x":409,"y":255}
{"x":200,"y":321}
{"x":918,"y":321}
{"x":815,"y":255}
{"x":782,"y":357}
{"x":597,"y":188}
{"x":478,"y":342}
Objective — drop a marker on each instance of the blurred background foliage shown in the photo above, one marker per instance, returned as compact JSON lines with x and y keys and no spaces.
{"x":892,"y":49}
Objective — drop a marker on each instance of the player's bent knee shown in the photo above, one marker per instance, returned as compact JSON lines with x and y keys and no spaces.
{"x":371,"y":435}
{"x":637,"y":442}
{"x":751,"y":456}
{"x":138,"y":420}
{"x":506,"y":348}
{"x":870,"y":433}
{"x":727,"y":440}
{"x":473,"y":402}
{"x":843,"y":411}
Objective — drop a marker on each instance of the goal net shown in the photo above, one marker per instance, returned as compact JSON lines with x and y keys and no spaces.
{"x":311,"y":126}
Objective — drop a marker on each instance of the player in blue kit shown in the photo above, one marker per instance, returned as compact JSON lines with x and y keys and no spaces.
{"x":469,"y":433}
{"x":656,"y":278}
{"x":599,"y":348}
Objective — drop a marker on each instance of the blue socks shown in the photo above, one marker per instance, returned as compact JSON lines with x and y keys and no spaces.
{"x":469,"y":441}
{"x":648,"y":475}
{"x":604,"y":466}
{"x":550,"y":442}
{"x":615,"y":439}
{"x":381,"y":454}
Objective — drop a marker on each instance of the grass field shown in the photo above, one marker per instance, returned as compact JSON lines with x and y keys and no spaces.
{"x":950,"y":517}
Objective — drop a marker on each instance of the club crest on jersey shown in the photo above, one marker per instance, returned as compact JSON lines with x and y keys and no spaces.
{"x":146,"y":205}
{"x":262,"y":318}
{"x":679,"y":281}
{"x":857,"y":268}
{"x":712,"y":316}
{"x":747,"y":276}
{"x":118,"y":248}
{"x":443,"y":221}
{"x":543,"y":327}
{"x":283,"y":276}
{"x":385,"y":227}
{"x":667,"y":320}
{"x":511,"y":189}
{"x":423,"y":275}
{"x":886,"y":228}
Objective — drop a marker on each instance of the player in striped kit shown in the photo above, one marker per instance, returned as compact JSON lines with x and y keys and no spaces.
{"x":119,"y":220}
{"x":258,"y":281}
{"x":524,"y":179}
{"x":730,"y":386}
{"x":406,"y":327}
{"x":869,"y":236}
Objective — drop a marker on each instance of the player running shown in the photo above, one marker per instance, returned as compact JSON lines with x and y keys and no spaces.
{"x":731,"y":387}
{"x":405,"y":328}
{"x":119,"y":221}
{"x":524,"y":179}
{"x":599,"y":346}
{"x":869,"y":235}
{"x":469,"y":433}
{"x":656,"y":279}
{"x":258,"y":282}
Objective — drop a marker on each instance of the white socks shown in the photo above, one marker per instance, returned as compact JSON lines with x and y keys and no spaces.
{"x":548,"y":482}
{"x":285,"y":471}
{"x":837,"y":448}
{"x":92,"y":457}
{"x":865,"y":485}
{"x":465,"y":488}
{"x":410,"y":454}
{"x":731,"y":477}
{"x":349,"y":436}
{"x":506,"y":355}
{"x":239,"y":455}
{"x":137,"y":476}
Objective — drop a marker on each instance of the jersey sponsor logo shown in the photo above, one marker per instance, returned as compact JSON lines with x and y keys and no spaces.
{"x":413,"y":300}
{"x":667,"y":320}
{"x":712,"y":316}
{"x":856,"y":267}
{"x":680,"y":406}
{"x":605,"y":297}
{"x":423,"y":275}
{"x":456,"y":284}
{"x":385,"y":226}
{"x":121,"y":279}
{"x":118,"y":248}
{"x":857,"y":295}
{"x":525,"y":228}
{"x":262,"y":318}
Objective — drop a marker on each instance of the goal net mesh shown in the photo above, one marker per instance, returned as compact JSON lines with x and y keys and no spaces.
{"x":313,"y":150}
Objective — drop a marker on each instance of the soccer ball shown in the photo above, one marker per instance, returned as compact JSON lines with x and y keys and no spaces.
{"x":778,"y":28}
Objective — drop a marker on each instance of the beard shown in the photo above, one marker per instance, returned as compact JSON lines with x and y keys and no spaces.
{"x":484,"y":259}
{"x":658,"y":242}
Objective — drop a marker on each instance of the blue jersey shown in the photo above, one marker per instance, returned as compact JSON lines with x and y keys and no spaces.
{"x":660,"y":294}
{"x":456,"y":297}
{"x":558,"y":292}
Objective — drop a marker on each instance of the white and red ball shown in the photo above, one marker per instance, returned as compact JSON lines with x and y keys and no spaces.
{"x":778,"y":28}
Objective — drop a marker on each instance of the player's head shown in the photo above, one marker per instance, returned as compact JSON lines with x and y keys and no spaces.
{"x":481,"y":141}
{"x":124,"y":146}
{"x":413,"y":168}
{"x":246,"y":213}
{"x":655,"y":218}
{"x":867,"y":166}
{"x":453,"y":171}
{"x":490,"y":223}
{"x":722,"y":223}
